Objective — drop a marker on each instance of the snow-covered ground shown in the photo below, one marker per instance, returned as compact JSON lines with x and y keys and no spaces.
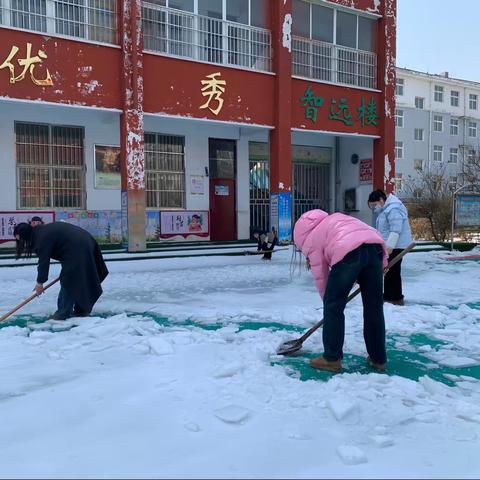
{"x":178,"y":377}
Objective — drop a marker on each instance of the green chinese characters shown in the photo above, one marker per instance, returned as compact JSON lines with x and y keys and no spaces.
{"x":339,"y":109}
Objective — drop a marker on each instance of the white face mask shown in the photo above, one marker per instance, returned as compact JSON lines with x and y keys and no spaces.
{"x":377,"y":209}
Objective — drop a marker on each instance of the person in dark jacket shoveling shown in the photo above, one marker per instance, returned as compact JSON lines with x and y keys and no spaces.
{"x":83,"y":267}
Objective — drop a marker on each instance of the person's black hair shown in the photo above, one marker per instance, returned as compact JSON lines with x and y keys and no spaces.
{"x":25,"y":241}
{"x":377,"y":195}
{"x":36,"y":219}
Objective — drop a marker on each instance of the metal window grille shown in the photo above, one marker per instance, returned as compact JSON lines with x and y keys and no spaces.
{"x":311,"y":187}
{"x":90,"y":19}
{"x":50,"y":166}
{"x":332,"y":63}
{"x":164,"y":171}
{"x":184,"y":34}
{"x":259,"y":187}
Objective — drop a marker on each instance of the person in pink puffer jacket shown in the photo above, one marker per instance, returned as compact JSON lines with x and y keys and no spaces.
{"x":342,"y":250}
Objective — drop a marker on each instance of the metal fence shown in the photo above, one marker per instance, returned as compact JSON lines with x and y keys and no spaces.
{"x":89,"y":19}
{"x":50,"y":166}
{"x":184,"y":34}
{"x":331,"y":63}
{"x":164,"y":171}
{"x":311,"y":187}
{"x":259,"y":195}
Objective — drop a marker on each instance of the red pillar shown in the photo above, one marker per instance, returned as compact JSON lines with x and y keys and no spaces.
{"x":131,"y":127}
{"x":280,"y":136}
{"x":384,"y":147}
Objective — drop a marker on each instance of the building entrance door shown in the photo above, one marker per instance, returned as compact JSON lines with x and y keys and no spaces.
{"x":222,"y":171}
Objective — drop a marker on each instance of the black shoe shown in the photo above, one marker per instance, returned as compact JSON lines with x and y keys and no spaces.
{"x":78,"y":313}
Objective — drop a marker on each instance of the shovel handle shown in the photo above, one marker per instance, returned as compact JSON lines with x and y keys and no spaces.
{"x":29,"y":299}
{"x":357,"y":291}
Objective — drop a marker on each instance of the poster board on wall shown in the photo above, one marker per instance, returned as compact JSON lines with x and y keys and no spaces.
{"x":8,"y":221}
{"x":184,"y":223}
{"x":107,"y":167}
{"x":467,"y":210}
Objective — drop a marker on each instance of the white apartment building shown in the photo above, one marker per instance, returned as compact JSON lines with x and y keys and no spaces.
{"x":437,"y":124}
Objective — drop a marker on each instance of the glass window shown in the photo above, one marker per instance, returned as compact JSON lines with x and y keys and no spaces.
{"x":399,"y":118}
{"x":237,"y":11}
{"x":346,"y":29}
{"x":437,"y":153}
{"x":366,"y":34}
{"x":438,"y":93}
{"x":418,"y":164}
{"x":322,"y":23}
{"x":418,"y":134}
{"x":398,"y":150}
{"x":453,"y":155}
{"x":164,"y":171}
{"x":301,"y":18}
{"x":437,"y":123}
{"x":472,"y":101}
{"x":259,"y":13}
{"x":210,"y":8}
{"x":50,"y":166}
{"x":472,"y":129}
{"x":419,"y":103}
{"x":454,"y":126}
{"x":454,"y":98}
{"x":186,"y":5}
{"x":29,"y":14}
{"x":399,"y":86}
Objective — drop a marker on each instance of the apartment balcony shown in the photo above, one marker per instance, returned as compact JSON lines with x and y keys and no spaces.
{"x":84,"y":19}
{"x":182,"y":34}
{"x":327,"y":62}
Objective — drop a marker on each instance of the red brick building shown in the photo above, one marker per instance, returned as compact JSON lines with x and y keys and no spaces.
{"x":198,"y":118}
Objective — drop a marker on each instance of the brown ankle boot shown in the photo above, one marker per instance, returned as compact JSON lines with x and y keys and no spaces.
{"x":329,"y":365}
{"x":379,"y":367}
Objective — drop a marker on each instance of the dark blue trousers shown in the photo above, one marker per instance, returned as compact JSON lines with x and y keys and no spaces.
{"x":364,"y":265}
{"x":66,"y":306}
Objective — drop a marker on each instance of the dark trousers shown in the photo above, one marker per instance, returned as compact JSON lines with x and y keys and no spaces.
{"x":364,"y":265}
{"x":392,"y":287}
{"x":66,"y":305}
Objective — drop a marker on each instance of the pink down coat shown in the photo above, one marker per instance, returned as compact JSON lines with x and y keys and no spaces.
{"x":325,"y":240}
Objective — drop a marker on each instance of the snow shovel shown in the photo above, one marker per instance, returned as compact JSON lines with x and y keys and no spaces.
{"x":261,"y":252}
{"x":292,"y":346}
{"x":29,"y":299}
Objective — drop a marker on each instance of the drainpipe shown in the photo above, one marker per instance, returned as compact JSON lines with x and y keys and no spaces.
{"x":430,"y":116}
{"x":338,"y":181}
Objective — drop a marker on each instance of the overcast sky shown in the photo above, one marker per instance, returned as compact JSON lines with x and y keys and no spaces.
{"x":437,"y":36}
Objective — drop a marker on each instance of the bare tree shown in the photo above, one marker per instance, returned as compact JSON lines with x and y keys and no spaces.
{"x":429,"y":197}
{"x":471,"y":171}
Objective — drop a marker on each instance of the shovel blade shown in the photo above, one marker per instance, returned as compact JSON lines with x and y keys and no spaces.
{"x":287,"y":348}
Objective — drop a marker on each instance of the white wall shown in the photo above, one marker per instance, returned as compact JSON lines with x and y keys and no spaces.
{"x":349,"y":174}
{"x":196,"y":135}
{"x":101,"y":127}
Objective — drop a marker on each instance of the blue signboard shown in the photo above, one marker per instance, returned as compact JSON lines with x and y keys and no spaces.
{"x":281,"y":215}
{"x":467,"y":210}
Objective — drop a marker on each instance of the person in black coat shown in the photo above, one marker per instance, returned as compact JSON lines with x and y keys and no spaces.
{"x":266,"y":241}
{"x":83,"y":267}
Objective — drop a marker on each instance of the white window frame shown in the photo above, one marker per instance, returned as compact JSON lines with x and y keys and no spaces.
{"x":454,"y":99}
{"x":438,"y":123}
{"x":400,"y":87}
{"x":399,"y":151}
{"x":472,"y":129}
{"x":471,"y":156}
{"x":421,"y":136}
{"x":399,"y":117}
{"x":438,"y":94}
{"x":453,"y":157}
{"x":438,"y":153}
{"x":454,"y":126}
{"x":473,"y":101}
{"x":421,"y":164}
{"x":420,"y":101}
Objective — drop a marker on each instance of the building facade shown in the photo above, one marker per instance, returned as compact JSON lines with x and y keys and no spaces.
{"x":161,"y":119}
{"x":437,"y":126}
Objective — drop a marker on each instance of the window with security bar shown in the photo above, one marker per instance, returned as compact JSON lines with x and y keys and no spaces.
{"x":164,"y":171}
{"x":90,"y":19}
{"x":50,"y":166}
